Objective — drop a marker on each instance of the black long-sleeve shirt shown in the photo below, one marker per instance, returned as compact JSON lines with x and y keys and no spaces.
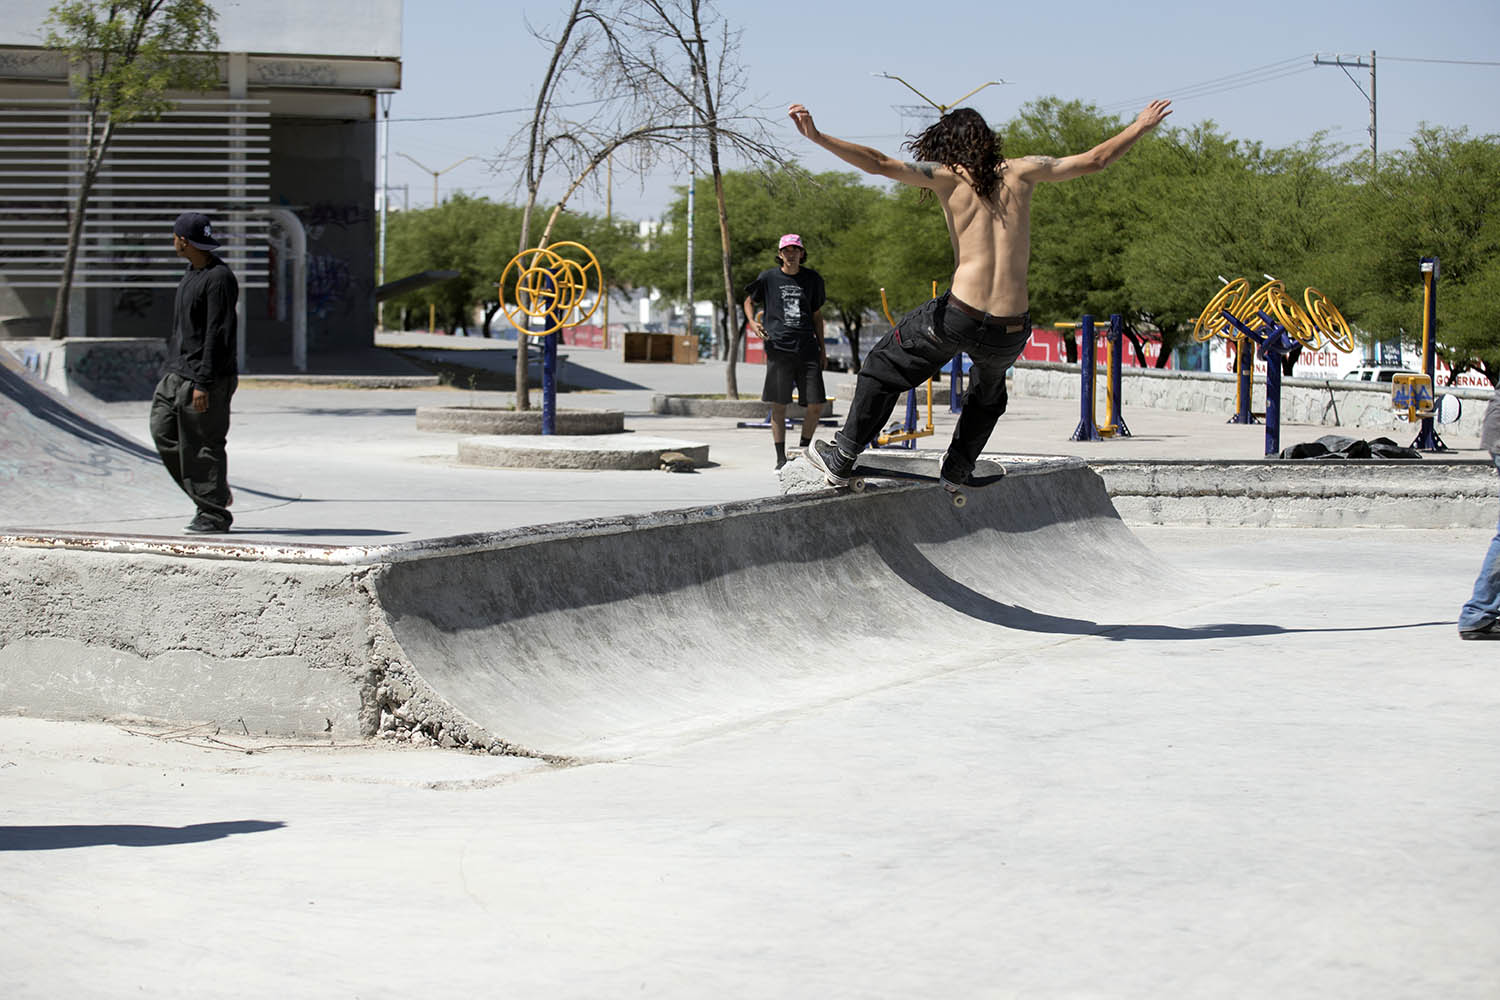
{"x":205,"y":325}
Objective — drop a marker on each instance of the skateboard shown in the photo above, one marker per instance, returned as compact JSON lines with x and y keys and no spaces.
{"x":986,"y":473}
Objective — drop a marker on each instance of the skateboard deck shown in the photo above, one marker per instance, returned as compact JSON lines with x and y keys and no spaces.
{"x":923,"y":470}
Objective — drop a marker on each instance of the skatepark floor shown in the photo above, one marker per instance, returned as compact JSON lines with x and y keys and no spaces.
{"x":1280,"y":783}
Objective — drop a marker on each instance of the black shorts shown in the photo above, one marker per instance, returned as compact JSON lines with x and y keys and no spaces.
{"x":785,"y":369}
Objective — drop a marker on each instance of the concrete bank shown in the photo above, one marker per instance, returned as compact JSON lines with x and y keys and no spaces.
{"x":1319,"y":402}
{"x":579,"y":640}
{"x":1317,"y":494}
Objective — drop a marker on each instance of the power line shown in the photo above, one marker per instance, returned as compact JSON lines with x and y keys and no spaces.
{"x":1453,"y":62}
{"x":502,"y":111}
{"x":1219,"y":84}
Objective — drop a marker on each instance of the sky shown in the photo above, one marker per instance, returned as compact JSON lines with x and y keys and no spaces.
{"x":1247,"y":67}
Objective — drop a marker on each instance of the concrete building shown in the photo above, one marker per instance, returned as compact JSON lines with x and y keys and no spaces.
{"x":286,"y":143}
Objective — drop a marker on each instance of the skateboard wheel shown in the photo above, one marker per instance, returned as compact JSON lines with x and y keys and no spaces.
{"x":857,"y":485}
{"x":959,"y":499}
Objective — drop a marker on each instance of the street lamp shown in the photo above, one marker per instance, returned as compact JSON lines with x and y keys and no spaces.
{"x":436,"y":173}
{"x":432,"y":307}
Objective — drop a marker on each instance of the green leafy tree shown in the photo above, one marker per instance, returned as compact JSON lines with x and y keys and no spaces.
{"x":833,"y":212}
{"x":844,"y":231}
{"x":477,"y":237}
{"x":125,"y":56}
{"x":1435,"y":198}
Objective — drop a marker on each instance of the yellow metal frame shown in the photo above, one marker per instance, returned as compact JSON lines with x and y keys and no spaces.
{"x":1111,"y":407}
{"x":930,"y":429}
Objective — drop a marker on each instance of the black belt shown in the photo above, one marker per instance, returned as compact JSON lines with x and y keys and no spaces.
{"x":1019,"y":322}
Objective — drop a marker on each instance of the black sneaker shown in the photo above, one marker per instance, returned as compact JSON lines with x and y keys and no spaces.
{"x":204,"y":524}
{"x":954,"y":472}
{"x":1490,"y":631}
{"x":834,"y":464}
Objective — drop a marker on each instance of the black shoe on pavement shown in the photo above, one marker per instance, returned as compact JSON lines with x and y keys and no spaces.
{"x":203,"y":524}
{"x":834,"y":464}
{"x":1490,"y":631}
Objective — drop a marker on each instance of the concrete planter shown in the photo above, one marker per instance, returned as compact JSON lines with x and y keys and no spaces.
{"x":490,"y":420}
{"x":739,"y":409}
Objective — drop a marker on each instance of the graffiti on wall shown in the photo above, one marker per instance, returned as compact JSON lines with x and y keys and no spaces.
{"x":317,"y":218}
{"x":329,"y":285}
{"x":117,"y":371}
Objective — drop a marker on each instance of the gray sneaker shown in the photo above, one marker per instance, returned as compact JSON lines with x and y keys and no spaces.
{"x":834,"y":464}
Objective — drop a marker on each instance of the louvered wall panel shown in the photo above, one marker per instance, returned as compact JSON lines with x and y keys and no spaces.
{"x":204,"y":155}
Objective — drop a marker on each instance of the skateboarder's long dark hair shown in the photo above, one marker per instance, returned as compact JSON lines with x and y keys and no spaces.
{"x":962,"y":138}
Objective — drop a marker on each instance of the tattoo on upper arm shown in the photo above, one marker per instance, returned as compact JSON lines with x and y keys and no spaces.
{"x":1047,"y":160}
{"x":924,"y":168}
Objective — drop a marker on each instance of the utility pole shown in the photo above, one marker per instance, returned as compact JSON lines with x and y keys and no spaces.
{"x":1344,"y":63}
{"x":437,"y":173}
{"x":432,"y":307}
{"x":385,"y":197}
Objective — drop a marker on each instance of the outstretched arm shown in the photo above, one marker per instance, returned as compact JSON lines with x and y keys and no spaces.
{"x":1048,"y":168}
{"x":934,"y":176}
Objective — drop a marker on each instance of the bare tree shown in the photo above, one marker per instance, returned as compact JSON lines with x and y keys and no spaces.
{"x":124,"y":56}
{"x":711,"y":94}
{"x":645,"y":65}
{"x":575,"y":136}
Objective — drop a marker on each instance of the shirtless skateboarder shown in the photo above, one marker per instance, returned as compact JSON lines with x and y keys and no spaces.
{"x":986,"y":200}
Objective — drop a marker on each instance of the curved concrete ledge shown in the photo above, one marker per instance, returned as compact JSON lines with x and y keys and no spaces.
{"x":629,"y":451}
{"x":491,"y":420}
{"x":740,"y":409}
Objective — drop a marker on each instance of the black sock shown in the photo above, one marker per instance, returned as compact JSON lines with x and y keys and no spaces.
{"x":781,"y":451}
{"x":806,"y":442}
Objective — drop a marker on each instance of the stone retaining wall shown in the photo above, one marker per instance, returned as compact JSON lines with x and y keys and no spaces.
{"x":1319,"y":402}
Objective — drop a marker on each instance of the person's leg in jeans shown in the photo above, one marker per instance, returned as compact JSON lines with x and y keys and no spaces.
{"x":906,"y":357}
{"x":1481,"y":615}
{"x":984,"y":402}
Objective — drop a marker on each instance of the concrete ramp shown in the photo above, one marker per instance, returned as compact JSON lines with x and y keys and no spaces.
{"x":608,"y":644}
{"x":578,"y":640}
{"x":60,"y":463}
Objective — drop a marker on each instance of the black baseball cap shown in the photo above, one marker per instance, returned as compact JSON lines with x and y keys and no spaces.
{"x":195,"y":228}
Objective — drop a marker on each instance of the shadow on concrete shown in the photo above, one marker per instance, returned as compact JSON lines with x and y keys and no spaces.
{"x":914,"y":567}
{"x":59,"y":838}
{"x":52,"y":410}
{"x":495,"y":370}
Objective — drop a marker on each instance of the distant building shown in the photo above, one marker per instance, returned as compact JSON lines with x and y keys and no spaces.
{"x":291,"y":127}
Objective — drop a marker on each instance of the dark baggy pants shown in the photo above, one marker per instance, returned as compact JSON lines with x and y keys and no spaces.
{"x":923,"y":341}
{"x":191,"y":444}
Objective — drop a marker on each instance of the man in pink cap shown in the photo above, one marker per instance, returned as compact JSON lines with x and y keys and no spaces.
{"x":792,"y":327}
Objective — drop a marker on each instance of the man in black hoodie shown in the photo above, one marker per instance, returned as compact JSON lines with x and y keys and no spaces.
{"x":190,"y":411}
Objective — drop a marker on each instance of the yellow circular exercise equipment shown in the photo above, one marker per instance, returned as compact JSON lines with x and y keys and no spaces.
{"x":1314,"y":323}
{"x":551,"y":281}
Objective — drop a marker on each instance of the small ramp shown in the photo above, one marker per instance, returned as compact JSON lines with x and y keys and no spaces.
{"x":583,"y":640}
{"x":601,"y":644}
{"x":60,"y":463}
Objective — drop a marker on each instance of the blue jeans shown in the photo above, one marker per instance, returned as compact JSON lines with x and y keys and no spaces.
{"x":1484,"y":607}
